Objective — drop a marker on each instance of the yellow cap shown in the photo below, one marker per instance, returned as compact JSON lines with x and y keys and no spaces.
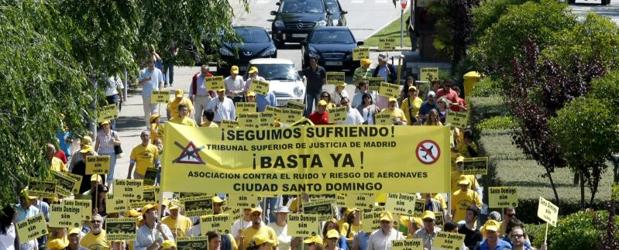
{"x":386,"y":216}
{"x":153,"y":117}
{"x":463,"y":180}
{"x":174,"y":206}
{"x":256,"y":210}
{"x":322,"y":103}
{"x":132,"y":213}
{"x":24,"y":194}
{"x":251,"y":93}
{"x":178,"y":93}
{"x":106,"y":122}
{"x":261,"y":239}
{"x":149,"y":207}
{"x":234,"y":69}
{"x":221,"y":90}
{"x":252,"y":70}
{"x":75,"y":230}
{"x":412,"y":88}
{"x":366,"y":62}
{"x":428,"y":215}
{"x":315,"y":239}
{"x":418,"y":222}
{"x":405,"y":220}
{"x":97,"y":178}
{"x":216,"y":199}
{"x":459,"y":159}
{"x":168,"y":244}
{"x":392,"y":99}
{"x":57,"y":244}
{"x":491,"y":225}
{"x":351,"y":210}
{"x":86,"y":144}
{"x":342,"y":84}
{"x":331,"y":234}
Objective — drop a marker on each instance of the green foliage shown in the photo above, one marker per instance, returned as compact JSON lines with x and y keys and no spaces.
{"x":607,"y":88}
{"x":497,"y":122}
{"x":488,"y":12}
{"x":486,"y":88}
{"x":581,"y":230}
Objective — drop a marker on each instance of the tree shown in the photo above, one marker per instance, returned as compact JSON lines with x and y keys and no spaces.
{"x":454,"y":27}
{"x":584,"y":130}
{"x":488,"y":12}
{"x":607,"y":88}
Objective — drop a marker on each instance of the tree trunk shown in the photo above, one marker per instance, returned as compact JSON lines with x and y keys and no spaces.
{"x":552,"y":184}
{"x":582,"y":190}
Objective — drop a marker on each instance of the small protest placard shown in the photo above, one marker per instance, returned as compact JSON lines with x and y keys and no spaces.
{"x":501,"y":197}
{"x":360,"y":53}
{"x":97,"y":164}
{"x":243,"y":201}
{"x":113,"y":205}
{"x":197,"y":243}
{"x":457,"y":119}
{"x":120,"y":228}
{"x":150,"y":176}
{"x":338,"y":114}
{"x":301,"y":225}
{"x":267,"y":120}
{"x":229,"y":124}
{"x":475,"y":165}
{"x":214,"y":83}
{"x":107,"y":112}
{"x":323,"y":207}
{"x":439,"y":218}
{"x":31,"y":228}
{"x":290,"y":116}
{"x":64,"y":215}
{"x":259,"y":87}
{"x":350,"y":200}
{"x":374,"y":83}
{"x":272,"y":110}
{"x":370,"y":221}
{"x":159,"y":97}
{"x":248,"y":120}
{"x":150,"y":196}
{"x":412,"y":244}
{"x":197,"y":205}
{"x":388,"y":89}
{"x":445,"y":240}
{"x":245,"y":107}
{"x":383,"y":119}
{"x":128,"y":189}
{"x":42,"y":189}
{"x":65,"y":184}
{"x":335,"y":77}
{"x":420,"y":207}
{"x":428,"y":74}
{"x":84,"y":205}
{"x":401,"y":203}
{"x":220,"y":223}
{"x":386,"y":43}
{"x":295,"y":105}
{"x":547,"y":211}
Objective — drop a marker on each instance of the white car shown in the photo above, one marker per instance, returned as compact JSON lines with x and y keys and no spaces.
{"x":284,"y":80}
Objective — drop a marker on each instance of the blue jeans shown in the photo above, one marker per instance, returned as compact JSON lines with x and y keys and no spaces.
{"x":110,"y":174}
{"x":310,"y":102}
{"x":168,"y":72}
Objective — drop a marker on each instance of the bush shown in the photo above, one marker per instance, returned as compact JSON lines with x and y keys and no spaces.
{"x":497,"y":122}
{"x":486,"y":88}
{"x":607,"y":88}
{"x":581,"y":230}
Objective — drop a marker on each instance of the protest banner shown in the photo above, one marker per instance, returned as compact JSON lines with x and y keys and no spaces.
{"x":302,"y":225}
{"x":386,"y":43}
{"x":120,"y":229}
{"x":220,"y":223}
{"x":266,"y":120}
{"x":107,"y":112}
{"x":259,"y":87}
{"x":197,"y":205}
{"x":322,"y":207}
{"x":290,"y":116}
{"x":412,"y":244}
{"x":214,"y":83}
{"x":197,"y":243}
{"x":428,"y":74}
{"x":389,"y":90}
{"x":502,"y":197}
{"x":273,"y":111}
{"x":150,"y":196}
{"x":42,"y":189}
{"x":457,"y":119}
{"x":352,"y":200}
{"x":383,"y":119}
{"x":321,"y":159}
{"x":248,"y":120}
{"x":84,"y":205}
{"x":229,"y":124}
{"x":360,"y":53}
{"x":401,"y":203}
{"x":547,"y":211}
{"x":150,"y":176}
{"x":97,"y":164}
{"x":65,"y":215}
{"x":113,"y":205}
{"x":245,"y":107}
{"x":448,"y":241}
{"x":374,"y":83}
{"x":31,"y":228}
{"x":64,"y":184}
{"x":243,"y":200}
{"x":295,"y":105}
{"x":128,"y":189}
{"x":475,"y":165}
{"x":159,"y":97}
{"x":335,"y":77}
{"x":337,"y":114}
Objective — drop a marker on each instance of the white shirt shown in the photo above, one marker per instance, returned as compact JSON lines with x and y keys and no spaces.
{"x":113,"y":84}
{"x":234,"y":86}
{"x":156,"y":77}
{"x":237,"y":226}
{"x":7,"y":240}
{"x":223,"y":110}
{"x":282,"y":236}
{"x":353,"y":117}
{"x":379,"y":241}
{"x":147,"y":236}
{"x":249,"y":81}
{"x":337,"y":97}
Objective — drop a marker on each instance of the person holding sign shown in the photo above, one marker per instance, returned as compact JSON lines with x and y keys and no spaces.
{"x":321,"y":115}
{"x":252,"y":76}
{"x":235,"y":85}
{"x":173,"y":104}
{"x":491,"y":236}
{"x":107,"y":139}
{"x":385,"y":70}
{"x":462,"y":199}
{"x":280,"y":227}
{"x":381,"y":239}
{"x":143,"y":156}
{"x":257,"y":228}
{"x":178,"y":224}
{"x":183,"y":116}
{"x":150,"y":79}
{"x":411,"y":105}
{"x":367,"y":108}
{"x":428,"y":105}
{"x":223,"y":107}
{"x":339,"y":93}
{"x":155,"y":129}
{"x":96,"y":238}
{"x":448,"y":92}
{"x":198,"y":93}
{"x":78,"y":162}
{"x":262,"y":101}
{"x":152,"y":233}
{"x":456,"y":175}
{"x":97,"y":194}
{"x":363,"y":71}
{"x":429,"y":230}
{"x":396,"y":114}
{"x":351,"y":225}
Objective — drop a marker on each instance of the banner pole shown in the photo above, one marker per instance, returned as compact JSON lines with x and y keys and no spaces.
{"x":546,"y":235}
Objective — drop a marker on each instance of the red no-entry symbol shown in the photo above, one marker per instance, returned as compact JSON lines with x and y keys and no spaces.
{"x":428,"y":152}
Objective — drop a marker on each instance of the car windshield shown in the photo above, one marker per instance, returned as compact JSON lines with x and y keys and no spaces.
{"x":332,"y":6}
{"x":279,"y":72}
{"x":252,"y":35}
{"x":303,"y":6}
{"x":332,"y":36}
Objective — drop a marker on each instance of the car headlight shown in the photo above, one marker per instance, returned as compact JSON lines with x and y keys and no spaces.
{"x":298,"y":91}
{"x":279,"y":23}
{"x":321,"y":23}
{"x":225,"y":52}
{"x":268,"y":52}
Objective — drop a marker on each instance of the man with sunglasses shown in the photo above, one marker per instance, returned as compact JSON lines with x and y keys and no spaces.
{"x":96,"y":238}
{"x":429,"y":230}
{"x":381,"y":238}
{"x":508,"y":214}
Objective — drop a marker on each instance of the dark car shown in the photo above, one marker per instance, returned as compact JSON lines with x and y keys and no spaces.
{"x":295,"y":19}
{"x":254,"y":43}
{"x":337,"y":15}
{"x":333,"y":46}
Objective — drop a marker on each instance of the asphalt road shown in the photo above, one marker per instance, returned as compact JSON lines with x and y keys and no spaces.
{"x":611,"y":11}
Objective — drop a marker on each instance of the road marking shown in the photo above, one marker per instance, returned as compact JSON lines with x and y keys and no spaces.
{"x":263,"y":1}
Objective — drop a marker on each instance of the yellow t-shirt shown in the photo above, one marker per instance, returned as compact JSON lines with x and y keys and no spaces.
{"x":144,"y":157}
{"x":185,"y":121}
{"x":92,"y":241}
{"x":173,"y":106}
{"x":58,"y":166}
{"x":414,"y":108}
{"x":155,"y":131}
{"x":212,"y":125}
{"x":353,"y":231}
{"x":455,"y":176}
{"x":396,"y":113}
{"x":461,"y":201}
{"x":441,"y":199}
{"x":180,"y":226}
{"x":248,"y":235}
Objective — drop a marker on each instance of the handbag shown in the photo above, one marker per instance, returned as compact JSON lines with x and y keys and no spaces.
{"x":117,"y":148}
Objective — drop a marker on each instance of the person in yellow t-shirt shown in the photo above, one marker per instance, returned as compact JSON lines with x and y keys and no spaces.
{"x":456,"y":174}
{"x":178,"y":224}
{"x":95,"y":239}
{"x":351,"y":225}
{"x":56,"y":164}
{"x":178,"y":100}
{"x":397,"y":115}
{"x":207,"y":119}
{"x":183,"y":117}
{"x":257,"y":228}
{"x":143,"y":156}
{"x":411,"y":105}
{"x":463,"y":199}
{"x":155,"y":128}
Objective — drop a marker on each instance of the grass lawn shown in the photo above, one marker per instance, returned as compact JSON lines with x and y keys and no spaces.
{"x":390,"y":31}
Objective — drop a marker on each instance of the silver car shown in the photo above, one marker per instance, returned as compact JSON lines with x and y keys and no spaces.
{"x":284,"y":80}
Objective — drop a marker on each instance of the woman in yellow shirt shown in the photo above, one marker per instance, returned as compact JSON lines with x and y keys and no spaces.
{"x":352,"y":225}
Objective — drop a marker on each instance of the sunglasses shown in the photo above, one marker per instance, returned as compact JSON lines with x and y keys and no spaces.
{"x":516,"y":236}
{"x":96,"y":221}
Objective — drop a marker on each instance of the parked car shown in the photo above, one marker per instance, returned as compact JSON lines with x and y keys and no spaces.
{"x":283,"y":78}
{"x":333,"y":46}
{"x":337,"y":15}
{"x":255,"y":42}
{"x":295,"y":19}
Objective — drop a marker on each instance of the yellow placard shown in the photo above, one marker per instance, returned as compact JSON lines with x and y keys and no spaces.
{"x":547,"y":211}
{"x":386,"y":43}
{"x":420,"y":207}
{"x":229,"y":124}
{"x":412,"y":244}
{"x":78,"y":181}
{"x":42,"y":189}
{"x":64,"y":184}
{"x":388,"y":89}
{"x":214,"y":83}
{"x":374,"y":83}
{"x":243,"y":200}
{"x":475,"y":165}
{"x":445,"y":240}
{"x":113,"y":205}
{"x":303,"y":159}
{"x":337,"y":114}
{"x":401,"y":203}
{"x":159,"y":97}
{"x":428,"y":74}
{"x":199,"y":242}
{"x":457,"y":119}
{"x":31,"y":228}
{"x":197,"y":205}
{"x":274,"y":111}
{"x":84,"y":205}
{"x":150,"y":196}
{"x":370,"y":221}
{"x":322,"y":207}
{"x":360,"y":53}
{"x":108,"y":112}
{"x":248,"y":120}
{"x":259,"y":87}
{"x":295,"y":105}
{"x":501,"y":197}
{"x":63,"y":215}
{"x":120,"y":228}
{"x":289,"y":115}
{"x":267,"y":119}
{"x":302,"y":225}
{"x":97,"y":164}
{"x":220,"y":223}
{"x":245,"y":107}
{"x":383,"y":119}
{"x":150,"y":176}
{"x":439,"y":219}
{"x":360,"y":201}
{"x":335,"y":77}
{"x":128,"y":189}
